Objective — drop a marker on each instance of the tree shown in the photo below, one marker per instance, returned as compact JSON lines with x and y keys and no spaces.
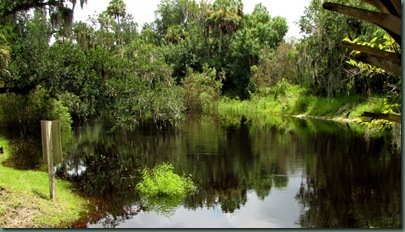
{"x":273,"y":66}
{"x":171,"y":13}
{"x":225,"y":18}
{"x":117,"y":9}
{"x":260,"y":33}
{"x":29,"y":49}
{"x":389,"y":19}
{"x":175,"y":34}
{"x":59,"y":11}
{"x":147,"y":92}
{"x":12,"y":15}
{"x":320,"y":61}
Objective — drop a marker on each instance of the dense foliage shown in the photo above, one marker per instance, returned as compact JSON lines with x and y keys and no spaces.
{"x":191,"y":55}
{"x":321,"y":62}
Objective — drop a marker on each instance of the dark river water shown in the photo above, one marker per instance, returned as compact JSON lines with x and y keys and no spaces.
{"x":271,"y":172}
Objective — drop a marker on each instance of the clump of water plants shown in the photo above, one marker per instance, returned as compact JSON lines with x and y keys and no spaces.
{"x":162,"y":181}
{"x":162,"y":190}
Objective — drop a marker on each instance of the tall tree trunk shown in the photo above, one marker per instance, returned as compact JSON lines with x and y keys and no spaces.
{"x":220,"y":40}
{"x":208,"y":43}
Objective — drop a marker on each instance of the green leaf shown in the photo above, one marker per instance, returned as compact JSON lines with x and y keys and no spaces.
{"x":374,"y":39}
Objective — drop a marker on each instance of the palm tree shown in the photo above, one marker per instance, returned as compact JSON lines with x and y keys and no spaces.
{"x":117,"y":9}
{"x":176,"y":34}
{"x":225,"y":17}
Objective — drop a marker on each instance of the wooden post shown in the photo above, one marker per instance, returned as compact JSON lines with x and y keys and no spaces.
{"x":51,"y":149}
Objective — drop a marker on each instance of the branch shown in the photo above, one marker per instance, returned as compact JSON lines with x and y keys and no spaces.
{"x":388,"y":65}
{"x":373,"y":51}
{"x":398,"y":6}
{"x":390,"y":62}
{"x":390,"y":23}
{"x":392,"y":7}
{"x":24,"y":6}
{"x":389,"y":117}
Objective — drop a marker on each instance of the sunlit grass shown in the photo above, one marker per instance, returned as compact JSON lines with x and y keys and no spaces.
{"x":25,"y":201}
{"x":296,"y":101}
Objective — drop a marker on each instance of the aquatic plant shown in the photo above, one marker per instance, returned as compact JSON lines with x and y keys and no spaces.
{"x":162,"y":190}
{"x":163,"y":181}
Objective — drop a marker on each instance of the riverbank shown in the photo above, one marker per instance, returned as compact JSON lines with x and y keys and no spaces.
{"x":25,"y":201}
{"x":296,"y":102}
{"x":24,"y":194}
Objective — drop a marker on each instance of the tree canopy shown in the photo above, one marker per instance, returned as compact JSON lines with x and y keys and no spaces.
{"x":109,"y":65}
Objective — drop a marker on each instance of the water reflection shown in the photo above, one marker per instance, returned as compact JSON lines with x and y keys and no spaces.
{"x":354,"y":185}
{"x":283,"y":172}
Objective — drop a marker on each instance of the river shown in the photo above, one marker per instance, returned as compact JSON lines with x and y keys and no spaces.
{"x":269,"y":172}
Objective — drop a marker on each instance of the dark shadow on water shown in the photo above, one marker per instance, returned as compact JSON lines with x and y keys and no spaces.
{"x":229,"y":158}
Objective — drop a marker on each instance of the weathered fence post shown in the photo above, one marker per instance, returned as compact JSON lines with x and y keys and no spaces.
{"x":51,"y":149}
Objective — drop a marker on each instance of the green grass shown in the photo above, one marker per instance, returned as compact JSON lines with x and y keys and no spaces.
{"x":296,"y":101}
{"x":25,"y":201}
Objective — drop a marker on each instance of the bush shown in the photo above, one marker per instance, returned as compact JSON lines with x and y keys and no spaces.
{"x":135,"y":101}
{"x":302,"y":104}
{"x":201,"y":89}
{"x":161,"y":181}
{"x":162,"y":189}
{"x":77,"y":108}
{"x":20,"y":118}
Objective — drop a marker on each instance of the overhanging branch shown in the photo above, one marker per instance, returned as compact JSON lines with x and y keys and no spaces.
{"x":390,"y":23}
{"x":392,"y":7}
{"x":386,"y":64}
{"x":373,"y":51}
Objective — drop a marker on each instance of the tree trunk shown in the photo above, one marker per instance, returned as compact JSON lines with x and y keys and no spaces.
{"x":220,"y":40}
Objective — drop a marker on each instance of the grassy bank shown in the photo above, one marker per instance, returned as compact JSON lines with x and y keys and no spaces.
{"x":291,"y":100}
{"x":25,"y":201}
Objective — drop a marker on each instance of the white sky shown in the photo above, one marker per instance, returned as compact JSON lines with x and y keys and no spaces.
{"x":143,"y":10}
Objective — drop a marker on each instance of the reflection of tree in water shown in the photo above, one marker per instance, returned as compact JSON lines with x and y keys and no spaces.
{"x":228,"y":191}
{"x":353,"y":189}
{"x":103,"y":168}
{"x":111,"y":179}
{"x":235,"y":161}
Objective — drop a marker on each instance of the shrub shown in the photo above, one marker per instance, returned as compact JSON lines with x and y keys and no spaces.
{"x":161,"y":181}
{"x":21,"y":115}
{"x":77,"y":107}
{"x":162,"y":189}
{"x":20,"y":118}
{"x":201,"y":89}
{"x":302,"y":104}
